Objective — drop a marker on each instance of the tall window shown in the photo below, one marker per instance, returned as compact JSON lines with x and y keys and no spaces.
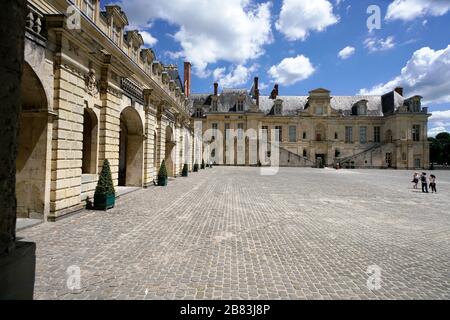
{"x":240,"y":105}
{"x":376,"y":134}
{"x":89,"y":8}
{"x":155,"y":149}
{"x":227,"y":129}
{"x":348,"y":134}
{"x":240,"y":128}
{"x":362,"y":134}
{"x":214,"y":130}
{"x":416,"y":132}
{"x":292,"y":133}
{"x":304,"y":135}
{"x":279,"y":133}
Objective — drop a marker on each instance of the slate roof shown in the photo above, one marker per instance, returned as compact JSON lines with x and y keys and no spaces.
{"x":292,"y":105}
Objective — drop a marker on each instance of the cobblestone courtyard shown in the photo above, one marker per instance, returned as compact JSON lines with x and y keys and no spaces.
{"x":230,"y":233}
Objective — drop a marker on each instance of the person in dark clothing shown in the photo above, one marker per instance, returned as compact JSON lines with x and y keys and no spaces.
{"x":433,"y":183}
{"x":424,"y":180}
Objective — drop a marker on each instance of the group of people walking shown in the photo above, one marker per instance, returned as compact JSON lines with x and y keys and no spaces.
{"x":425,"y":181}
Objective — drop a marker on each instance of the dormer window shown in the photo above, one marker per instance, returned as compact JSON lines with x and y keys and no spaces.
{"x":362,"y":110}
{"x":319,"y":110}
{"x":278,"y":109}
{"x":116,"y":35}
{"x":198,"y":113}
{"x":214,"y":105}
{"x":88,"y":7}
{"x":240,"y":105}
{"x":135,"y":54}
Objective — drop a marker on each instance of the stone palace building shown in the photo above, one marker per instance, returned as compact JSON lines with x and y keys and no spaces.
{"x":387,"y":131}
{"x":91,"y":91}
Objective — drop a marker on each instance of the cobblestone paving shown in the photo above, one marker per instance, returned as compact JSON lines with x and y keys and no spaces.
{"x":230,"y":233}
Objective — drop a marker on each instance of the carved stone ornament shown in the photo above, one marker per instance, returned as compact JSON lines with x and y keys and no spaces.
{"x":91,"y":83}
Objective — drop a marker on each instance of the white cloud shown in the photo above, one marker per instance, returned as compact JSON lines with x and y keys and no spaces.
{"x":427,"y":73}
{"x":209,"y":31}
{"x":174,"y":55}
{"x":374,"y":44}
{"x":237,"y":76}
{"x":441,"y":116}
{"x":346,"y":53}
{"x":149,"y":40}
{"x":299,"y":17}
{"x":292,"y":70}
{"x":439,"y":122}
{"x":408,"y":10}
{"x":433,"y":132}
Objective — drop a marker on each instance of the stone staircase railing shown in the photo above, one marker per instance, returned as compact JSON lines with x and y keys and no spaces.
{"x":347,"y":160}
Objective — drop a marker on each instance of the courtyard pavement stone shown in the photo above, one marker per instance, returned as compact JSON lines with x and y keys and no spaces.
{"x":231,"y":233}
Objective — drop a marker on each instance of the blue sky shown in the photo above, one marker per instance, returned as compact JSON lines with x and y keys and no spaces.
{"x":296,"y":43}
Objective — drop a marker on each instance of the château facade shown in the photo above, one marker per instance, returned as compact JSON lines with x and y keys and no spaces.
{"x":91,"y":91}
{"x":386,"y":131}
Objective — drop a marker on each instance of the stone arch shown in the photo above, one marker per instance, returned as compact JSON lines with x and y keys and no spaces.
{"x":170,"y":144}
{"x":131,"y":148}
{"x":90,"y":142}
{"x":33,"y":171}
{"x":320,"y":132}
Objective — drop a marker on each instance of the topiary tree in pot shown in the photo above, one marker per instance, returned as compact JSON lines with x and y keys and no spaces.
{"x":185,"y":171}
{"x":162,"y":174}
{"x":203,"y":164}
{"x":196,"y":167}
{"x":105,"y":195}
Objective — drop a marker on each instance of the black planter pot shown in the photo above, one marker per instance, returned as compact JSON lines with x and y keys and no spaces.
{"x":104,"y":202}
{"x":162,"y":181}
{"x":196,"y":168}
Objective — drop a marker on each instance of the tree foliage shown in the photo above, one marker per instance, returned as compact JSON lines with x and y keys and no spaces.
{"x":440,"y":148}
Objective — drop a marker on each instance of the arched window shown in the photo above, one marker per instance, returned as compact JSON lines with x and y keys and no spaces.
{"x":90,"y":133}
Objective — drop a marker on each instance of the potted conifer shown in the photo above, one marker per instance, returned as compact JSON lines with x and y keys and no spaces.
{"x":203,"y":164}
{"x":105,"y":195}
{"x":162,"y":175}
{"x":185,"y":171}
{"x":196,"y":167}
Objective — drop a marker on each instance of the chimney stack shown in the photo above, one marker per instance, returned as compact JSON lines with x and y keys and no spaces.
{"x":216,"y":88}
{"x":187,"y":79}
{"x":399,"y":90}
{"x":256,"y":90}
{"x":274,"y":93}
